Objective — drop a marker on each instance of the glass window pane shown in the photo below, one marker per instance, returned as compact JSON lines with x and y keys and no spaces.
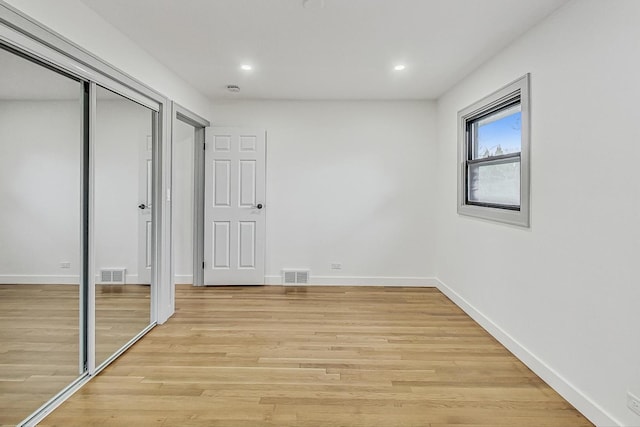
{"x":495,"y":183}
{"x":498,"y":134}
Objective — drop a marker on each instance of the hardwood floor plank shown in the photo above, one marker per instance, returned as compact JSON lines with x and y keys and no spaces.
{"x":39,"y":332}
{"x":316,"y":356}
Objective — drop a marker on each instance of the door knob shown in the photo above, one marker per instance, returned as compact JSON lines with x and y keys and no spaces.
{"x":142,"y":206}
{"x":259,"y":206}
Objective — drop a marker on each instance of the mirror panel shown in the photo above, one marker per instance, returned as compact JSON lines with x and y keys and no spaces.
{"x":41,"y":150}
{"x":123,"y":198}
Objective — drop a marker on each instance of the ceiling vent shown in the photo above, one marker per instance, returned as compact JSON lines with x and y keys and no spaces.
{"x":295,"y":277}
{"x":112,"y":276}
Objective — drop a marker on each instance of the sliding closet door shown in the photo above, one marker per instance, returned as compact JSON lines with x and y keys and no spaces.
{"x":122,"y":228}
{"x":41,"y":258}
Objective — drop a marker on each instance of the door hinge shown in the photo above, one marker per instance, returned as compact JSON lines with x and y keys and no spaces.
{"x":204,"y":146}
{"x":202,"y":264}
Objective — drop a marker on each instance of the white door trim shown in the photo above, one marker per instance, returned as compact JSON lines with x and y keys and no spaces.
{"x":200,"y":124}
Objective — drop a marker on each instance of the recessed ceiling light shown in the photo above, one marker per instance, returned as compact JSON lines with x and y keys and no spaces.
{"x":399,"y":67}
{"x":246,"y":67}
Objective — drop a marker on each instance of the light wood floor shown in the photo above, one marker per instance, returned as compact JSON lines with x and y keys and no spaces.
{"x":39,"y":346}
{"x":39,"y":338}
{"x":318,"y":356}
{"x":122,"y":311}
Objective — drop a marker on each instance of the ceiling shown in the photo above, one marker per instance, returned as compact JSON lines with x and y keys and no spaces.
{"x":22,"y":80}
{"x":330,"y":49}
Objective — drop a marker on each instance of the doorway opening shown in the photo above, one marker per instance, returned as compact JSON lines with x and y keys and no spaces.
{"x":187,"y":205}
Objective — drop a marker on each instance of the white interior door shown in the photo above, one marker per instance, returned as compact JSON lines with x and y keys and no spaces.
{"x":234,"y":213}
{"x":145,"y":182}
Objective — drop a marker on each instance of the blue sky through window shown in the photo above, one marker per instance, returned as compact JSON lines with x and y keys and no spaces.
{"x":502,"y":136}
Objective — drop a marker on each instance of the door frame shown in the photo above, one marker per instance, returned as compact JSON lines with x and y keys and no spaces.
{"x":200,"y":124}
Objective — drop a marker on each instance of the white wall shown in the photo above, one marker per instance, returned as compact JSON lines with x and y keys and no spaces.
{"x":182,"y":201}
{"x":347,"y":182}
{"x":40,"y":178}
{"x":563,"y":294}
{"x":80,"y":24}
{"x":40,"y":174}
{"x":121,"y":132}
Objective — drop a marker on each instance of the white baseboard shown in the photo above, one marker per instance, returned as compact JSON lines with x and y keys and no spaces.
{"x":582,"y":403}
{"x":43,"y":279}
{"x":35,"y":279}
{"x":361,"y":281}
{"x":183,"y":279}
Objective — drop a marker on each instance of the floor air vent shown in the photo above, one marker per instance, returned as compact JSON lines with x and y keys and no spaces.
{"x":112,"y":276}
{"x":295,"y":277}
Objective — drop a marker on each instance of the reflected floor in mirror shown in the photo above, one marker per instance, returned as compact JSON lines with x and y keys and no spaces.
{"x":122,"y":312}
{"x":39,"y":355}
{"x":316,"y":356}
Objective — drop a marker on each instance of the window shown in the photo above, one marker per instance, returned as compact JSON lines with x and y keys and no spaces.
{"x":493,"y":149}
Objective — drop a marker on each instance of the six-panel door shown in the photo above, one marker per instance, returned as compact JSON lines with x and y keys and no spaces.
{"x":234,"y":207}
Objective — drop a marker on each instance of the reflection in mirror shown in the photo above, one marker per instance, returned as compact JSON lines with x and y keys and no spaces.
{"x":123,"y":199}
{"x":41,"y":148}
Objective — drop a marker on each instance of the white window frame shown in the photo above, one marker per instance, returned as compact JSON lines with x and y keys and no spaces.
{"x":517,"y":90}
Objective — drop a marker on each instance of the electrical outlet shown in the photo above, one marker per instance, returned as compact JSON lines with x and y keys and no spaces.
{"x":335,"y":266}
{"x":65,"y":264}
{"x":633,"y":403}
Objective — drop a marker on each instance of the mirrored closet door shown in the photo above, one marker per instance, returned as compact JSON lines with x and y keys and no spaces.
{"x":77,"y":240}
{"x":123,"y":193}
{"x":41,"y":252}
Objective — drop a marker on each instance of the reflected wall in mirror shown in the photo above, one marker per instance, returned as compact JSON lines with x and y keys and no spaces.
{"x":41,"y":146}
{"x":123,"y":198}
